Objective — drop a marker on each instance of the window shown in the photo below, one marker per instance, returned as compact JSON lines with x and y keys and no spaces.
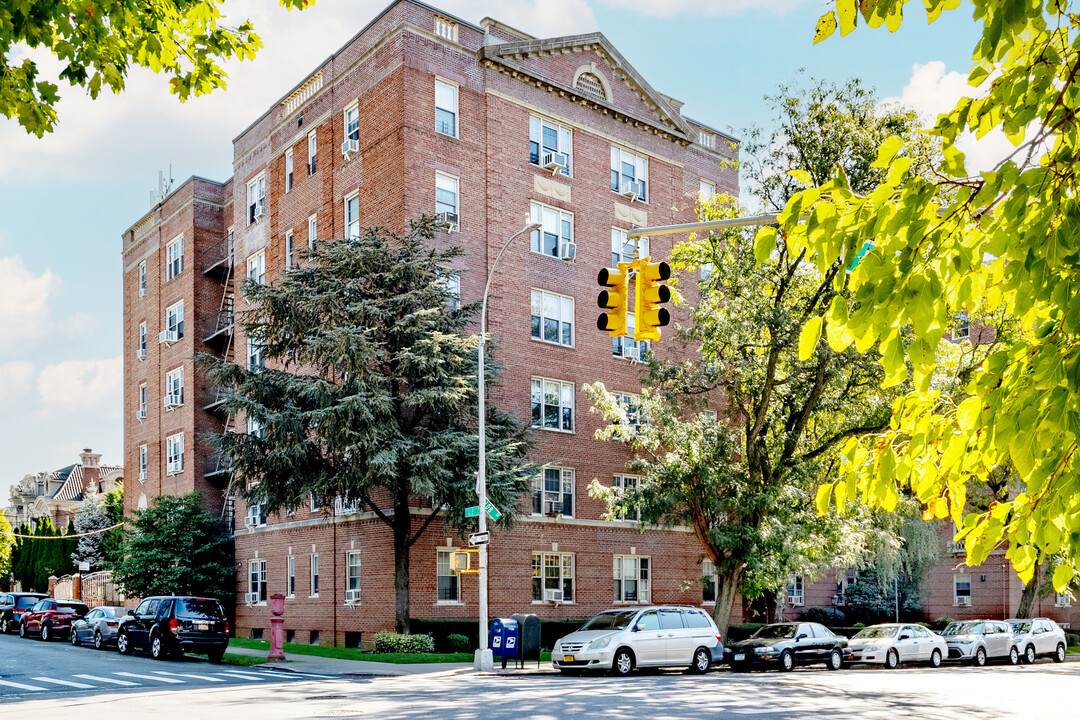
{"x":352,"y":586}
{"x":628,"y":484}
{"x":314,"y":637}
{"x":290,"y":577}
{"x":631,"y":573}
{"x":1063,"y":599}
{"x":626,"y":346}
{"x":446,"y":108}
{"x":255,"y":516}
{"x":312,"y":232}
{"x":256,"y":267}
{"x":962,"y":326}
{"x":174,"y":258}
{"x":446,"y":29}
{"x":256,"y":428}
{"x":314,"y":575}
{"x":553,"y":572}
{"x":622,"y":250}
{"x":553,"y":493}
{"x":549,"y":141}
{"x":256,"y":198}
{"x":553,"y":404}
{"x":629,"y":173}
{"x":174,"y":319}
{"x":289,"y":251}
{"x":795,"y":591}
{"x":352,"y":216}
{"x":142,"y":279}
{"x":257,"y":579}
{"x":314,"y":503}
{"x":142,"y":341}
{"x":630,"y":404}
{"x":142,"y":400}
{"x":962,"y":590}
{"x":709,"y":582}
{"x":347,"y":507}
{"x":174,"y":454}
{"x":706,"y":190}
{"x":452,"y":283}
{"x":449,"y":583}
{"x":174,"y":387}
{"x":850,"y":577}
{"x":446,"y":195}
{"x":590,"y":84}
{"x":352,"y":122}
{"x":552,"y":318}
{"x":556,"y":233}
{"x":288,"y":170}
{"x":255,"y":357}
{"x":311,"y":153}
{"x":144,"y":464}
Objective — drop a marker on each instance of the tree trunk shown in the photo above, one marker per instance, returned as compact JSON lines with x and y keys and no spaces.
{"x":727,"y":587}
{"x":402,"y":528}
{"x":1031,"y":592}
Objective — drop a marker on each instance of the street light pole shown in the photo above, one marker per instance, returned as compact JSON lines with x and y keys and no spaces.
{"x":483,"y":660}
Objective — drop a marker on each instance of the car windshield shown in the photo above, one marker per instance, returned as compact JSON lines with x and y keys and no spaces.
{"x":115,"y":611}
{"x":619,"y":620}
{"x":960,"y":628}
{"x":881,"y":631}
{"x":776,"y":632}
{"x":199,"y":608}
{"x":27,"y":602}
{"x":77,"y":608}
{"x":1021,"y":627}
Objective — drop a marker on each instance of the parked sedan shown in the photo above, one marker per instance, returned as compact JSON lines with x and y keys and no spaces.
{"x":977,"y":641}
{"x":1039,"y":637}
{"x":12,"y":607}
{"x":175,"y":625}
{"x":890,"y":644}
{"x":51,"y":618}
{"x":99,"y":626}
{"x":785,"y":645}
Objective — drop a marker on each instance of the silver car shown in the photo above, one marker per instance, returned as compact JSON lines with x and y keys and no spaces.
{"x":624,"y":638}
{"x":977,"y":641}
{"x":98,"y":626}
{"x":1038,"y":637}
{"x":890,"y":644}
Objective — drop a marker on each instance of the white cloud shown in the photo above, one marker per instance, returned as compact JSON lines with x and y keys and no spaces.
{"x":16,"y":378}
{"x":24,"y":303}
{"x":82,"y":384}
{"x":669,"y":8}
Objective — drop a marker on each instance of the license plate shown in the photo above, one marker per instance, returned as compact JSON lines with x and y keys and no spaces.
{"x":202,"y":626}
{"x":568,"y":658}
{"x":740,"y":657}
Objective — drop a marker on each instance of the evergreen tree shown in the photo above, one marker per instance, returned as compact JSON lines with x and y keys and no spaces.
{"x":92,"y":516}
{"x":20,"y":558}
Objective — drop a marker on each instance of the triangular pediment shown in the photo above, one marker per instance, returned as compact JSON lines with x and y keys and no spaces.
{"x":590,"y":69}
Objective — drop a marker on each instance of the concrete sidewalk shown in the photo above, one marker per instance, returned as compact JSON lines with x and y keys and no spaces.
{"x":332,"y":666}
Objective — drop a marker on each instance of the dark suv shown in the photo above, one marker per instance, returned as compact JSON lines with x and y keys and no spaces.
{"x":12,"y":607}
{"x":175,"y":625}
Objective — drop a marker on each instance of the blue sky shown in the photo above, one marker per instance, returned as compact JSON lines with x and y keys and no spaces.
{"x":65,"y":200}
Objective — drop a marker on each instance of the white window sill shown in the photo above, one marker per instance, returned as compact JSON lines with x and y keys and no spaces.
{"x":556,"y":430}
{"x":631,"y":602}
{"x":351,"y":604}
{"x":796,"y":604}
{"x":171,"y":473}
{"x":544,"y":254}
{"x":446,"y":135}
{"x":313,"y":597}
{"x":545,"y":602}
{"x":558,"y":173}
{"x":708,"y":603}
{"x":638,"y":200}
{"x":550,"y":342}
{"x":449,"y":603}
{"x":290,"y":597}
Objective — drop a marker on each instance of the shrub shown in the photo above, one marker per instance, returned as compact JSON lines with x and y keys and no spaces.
{"x":825,"y":616}
{"x":392,"y":642}
{"x":458,"y":643}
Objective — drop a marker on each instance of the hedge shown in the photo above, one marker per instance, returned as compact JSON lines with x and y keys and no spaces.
{"x":441,"y":630}
{"x":392,"y":642}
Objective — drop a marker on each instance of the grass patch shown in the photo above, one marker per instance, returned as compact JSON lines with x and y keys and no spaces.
{"x":243,"y":660}
{"x":1073,"y":649}
{"x":339,"y":653}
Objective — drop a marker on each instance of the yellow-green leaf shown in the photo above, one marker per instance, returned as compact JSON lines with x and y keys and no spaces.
{"x":889,"y":147}
{"x":764,"y":244}
{"x":847,"y":11}
{"x":826,"y":26}
{"x":802,"y":176}
{"x":823,"y":494}
{"x":1063,"y":575}
{"x":808,"y":338}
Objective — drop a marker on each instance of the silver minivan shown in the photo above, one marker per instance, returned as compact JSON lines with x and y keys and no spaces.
{"x":622,"y":639}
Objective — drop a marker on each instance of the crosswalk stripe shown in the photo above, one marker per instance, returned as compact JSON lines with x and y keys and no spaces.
{"x":20,"y":686}
{"x":127,"y":683}
{"x":245,"y":675}
{"x":150,"y":677}
{"x":288,"y":673}
{"x":187,"y":675}
{"x":81,"y":686}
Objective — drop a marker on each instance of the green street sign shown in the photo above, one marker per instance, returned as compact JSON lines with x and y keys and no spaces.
{"x":492,"y":511}
{"x":473,"y":511}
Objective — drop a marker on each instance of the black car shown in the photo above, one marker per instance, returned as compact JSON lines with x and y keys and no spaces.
{"x":785,"y":645}
{"x":174,"y":625}
{"x":12,"y":607}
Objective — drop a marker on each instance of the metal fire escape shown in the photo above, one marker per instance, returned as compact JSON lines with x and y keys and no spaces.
{"x":219,"y":339}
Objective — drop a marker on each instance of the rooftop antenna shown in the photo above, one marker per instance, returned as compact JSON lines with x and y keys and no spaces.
{"x":164,"y":186}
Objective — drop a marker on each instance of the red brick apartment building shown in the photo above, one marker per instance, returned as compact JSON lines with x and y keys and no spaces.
{"x":422,"y":112}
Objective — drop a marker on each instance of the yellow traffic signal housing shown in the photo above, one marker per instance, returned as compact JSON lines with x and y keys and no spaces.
{"x":615,"y":299}
{"x":649,"y":293}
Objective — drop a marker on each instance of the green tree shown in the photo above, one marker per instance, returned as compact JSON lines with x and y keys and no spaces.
{"x":370,"y":397}
{"x":97,"y":43}
{"x":21,"y":557}
{"x":91,"y":519}
{"x":176,"y":547}
{"x":7,"y":544}
{"x":1004,"y":240}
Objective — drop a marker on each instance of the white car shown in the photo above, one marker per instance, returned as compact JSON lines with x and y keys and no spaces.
{"x":976,"y":641}
{"x":622,"y":639}
{"x":890,"y":644}
{"x":1038,"y":637}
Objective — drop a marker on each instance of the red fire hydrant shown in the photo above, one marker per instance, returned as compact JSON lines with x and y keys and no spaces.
{"x":277,"y":633}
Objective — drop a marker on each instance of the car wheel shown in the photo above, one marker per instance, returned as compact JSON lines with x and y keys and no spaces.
{"x":158,"y":651}
{"x":702,"y":661}
{"x":5,"y":626}
{"x":835,"y":661}
{"x":45,"y":634}
{"x":935,"y":659}
{"x":73,"y":636}
{"x":892,"y":659}
{"x":22,"y":630}
{"x":1029,"y":655}
{"x":787,"y":661}
{"x":1014,"y":656}
{"x":980,"y":657}
{"x":623,"y":663}
{"x":216,"y":656}
{"x":1059,"y":653}
{"x":99,"y":642}
{"x":123,"y":644}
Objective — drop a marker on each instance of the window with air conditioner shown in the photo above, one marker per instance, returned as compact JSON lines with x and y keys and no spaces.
{"x":631,"y":575}
{"x":629,"y":174}
{"x":549,"y":145}
{"x":174,"y":454}
{"x":289,"y":251}
{"x":1063,"y":599}
{"x":314,"y":575}
{"x":255,"y":428}
{"x":351,"y":145}
{"x":290,"y":576}
{"x":631,"y":405}
{"x":312,"y":153}
{"x":174,"y":388}
{"x":553,"y":573}
{"x":142,"y":279}
{"x":448,"y":587}
{"x":622,"y":249}
{"x":141,"y":412}
{"x":552,"y":318}
{"x":709,"y":582}
{"x":256,"y":267}
{"x":256,"y":198}
{"x":255,"y":516}
{"x":552,"y":404}
{"x":352,"y":584}
{"x":555,"y":238}
{"x":256,"y":358}
{"x":256,"y":581}
{"x":174,"y":258}
{"x":174,"y":323}
{"x":446,"y":201}
{"x":140,"y":352}
{"x":626,"y":346}
{"x":446,"y":108}
{"x":288,"y":170}
{"x":553,"y":492}
{"x":352,"y":216}
{"x":795,"y":591}
{"x":144,"y":463}
{"x":627,"y":484}
{"x":962,"y":590}
{"x":312,"y":231}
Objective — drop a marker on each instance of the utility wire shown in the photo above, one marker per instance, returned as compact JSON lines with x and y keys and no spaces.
{"x":61,"y":537}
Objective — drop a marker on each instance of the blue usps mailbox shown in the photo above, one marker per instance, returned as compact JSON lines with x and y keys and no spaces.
{"x":504,"y":639}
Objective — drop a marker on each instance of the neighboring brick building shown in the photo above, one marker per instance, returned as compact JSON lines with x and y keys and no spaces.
{"x":496,"y":127}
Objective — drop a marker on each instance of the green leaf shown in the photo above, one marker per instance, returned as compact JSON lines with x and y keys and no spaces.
{"x":808,"y":338}
{"x":889,"y":147}
{"x":764,"y":244}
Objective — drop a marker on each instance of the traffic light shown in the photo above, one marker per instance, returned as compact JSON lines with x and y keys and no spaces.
{"x":649,"y":292}
{"x":615,"y":299}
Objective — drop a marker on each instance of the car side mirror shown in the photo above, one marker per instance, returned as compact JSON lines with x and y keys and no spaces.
{"x":905,"y":636}
{"x":800,"y":636}
{"x":640,"y":626}
{"x":131,"y":613}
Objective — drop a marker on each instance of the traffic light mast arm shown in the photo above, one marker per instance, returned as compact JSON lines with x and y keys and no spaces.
{"x":749,"y":221}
